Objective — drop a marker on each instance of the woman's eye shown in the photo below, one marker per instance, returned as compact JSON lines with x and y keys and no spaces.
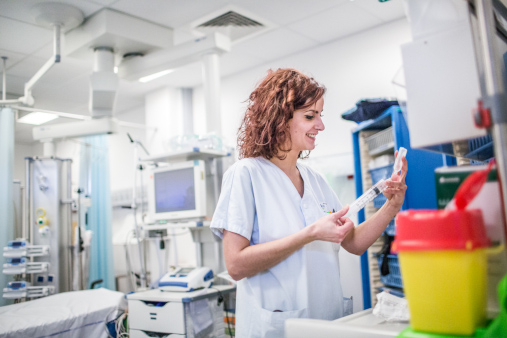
{"x":321,"y":115}
{"x":309,"y":117}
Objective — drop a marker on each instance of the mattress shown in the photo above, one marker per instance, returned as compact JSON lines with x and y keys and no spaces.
{"x":69,"y":314}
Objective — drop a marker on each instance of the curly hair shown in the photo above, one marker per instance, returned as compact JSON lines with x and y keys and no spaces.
{"x":265,"y":129}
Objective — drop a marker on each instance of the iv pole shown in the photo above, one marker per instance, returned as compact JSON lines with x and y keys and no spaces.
{"x":134,"y":208}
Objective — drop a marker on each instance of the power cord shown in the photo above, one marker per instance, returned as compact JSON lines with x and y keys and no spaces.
{"x":222,"y":300}
{"x":119,"y":328}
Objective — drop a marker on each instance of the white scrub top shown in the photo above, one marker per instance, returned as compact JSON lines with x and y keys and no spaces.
{"x":259,"y":202}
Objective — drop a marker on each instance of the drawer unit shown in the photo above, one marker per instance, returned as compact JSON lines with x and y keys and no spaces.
{"x":157,"y":313}
{"x":157,"y":316}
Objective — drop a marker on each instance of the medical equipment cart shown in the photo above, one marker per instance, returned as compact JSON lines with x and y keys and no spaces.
{"x":185,"y":314}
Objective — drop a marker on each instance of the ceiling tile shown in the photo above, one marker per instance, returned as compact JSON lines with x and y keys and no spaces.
{"x":335,"y":23}
{"x":171,"y":13}
{"x":104,"y":3}
{"x":284,"y":12}
{"x":21,"y":37}
{"x":27,"y":68}
{"x":15,"y":85}
{"x":12,"y":58}
{"x":21,"y":10}
{"x":274,"y":44}
{"x":386,"y":11}
{"x":60,"y":74}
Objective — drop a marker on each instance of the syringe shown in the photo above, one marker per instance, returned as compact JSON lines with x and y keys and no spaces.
{"x":402,"y":152}
{"x":367,"y":197}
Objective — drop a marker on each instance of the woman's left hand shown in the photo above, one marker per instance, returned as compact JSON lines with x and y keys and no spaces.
{"x":396,"y":187}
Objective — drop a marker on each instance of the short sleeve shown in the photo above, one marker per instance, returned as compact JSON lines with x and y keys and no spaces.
{"x":235,"y":209}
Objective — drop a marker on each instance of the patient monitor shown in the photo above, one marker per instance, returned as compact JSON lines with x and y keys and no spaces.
{"x":181,"y":191}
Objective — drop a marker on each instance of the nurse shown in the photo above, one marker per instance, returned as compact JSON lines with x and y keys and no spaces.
{"x":281,"y":223}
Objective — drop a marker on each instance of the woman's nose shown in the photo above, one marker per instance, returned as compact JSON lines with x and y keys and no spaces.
{"x":319,"y":125}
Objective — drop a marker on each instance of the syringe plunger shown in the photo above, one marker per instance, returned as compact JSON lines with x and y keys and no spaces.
{"x":402,"y":152}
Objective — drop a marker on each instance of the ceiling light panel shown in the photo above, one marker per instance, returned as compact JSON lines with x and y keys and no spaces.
{"x":37,"y":118}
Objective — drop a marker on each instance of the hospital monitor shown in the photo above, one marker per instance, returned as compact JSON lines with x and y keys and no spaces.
{"x":178,"y":192}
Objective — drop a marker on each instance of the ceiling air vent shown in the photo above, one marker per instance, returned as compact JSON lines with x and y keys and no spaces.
{"x":233,"y":22}
{"x":231,"y":19}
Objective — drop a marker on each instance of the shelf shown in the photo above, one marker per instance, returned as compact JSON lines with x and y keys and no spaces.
{"x":482,"y":153}
{"x":176,"y":225}
{"x":481,"y":149}
{"x":186,"y":155}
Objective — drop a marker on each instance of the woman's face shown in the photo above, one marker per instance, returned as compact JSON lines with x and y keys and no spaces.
{"x":305,"y":125}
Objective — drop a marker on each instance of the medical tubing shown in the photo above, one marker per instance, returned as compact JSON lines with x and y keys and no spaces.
{"x":365,"y":198}
{"x":159,"y":258}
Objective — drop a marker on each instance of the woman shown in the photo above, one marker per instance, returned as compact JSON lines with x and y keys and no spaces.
{"x":281,"y":234}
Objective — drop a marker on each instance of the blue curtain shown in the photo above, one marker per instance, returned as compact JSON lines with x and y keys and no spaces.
{"x":94,"y":179}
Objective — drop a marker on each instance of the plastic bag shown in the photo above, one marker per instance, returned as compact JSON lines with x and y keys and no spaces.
{"x":367,"y":109}
{"x":391,"y":308}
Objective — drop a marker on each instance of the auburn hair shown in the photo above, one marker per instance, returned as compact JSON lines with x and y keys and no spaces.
{"x":264,"y":130}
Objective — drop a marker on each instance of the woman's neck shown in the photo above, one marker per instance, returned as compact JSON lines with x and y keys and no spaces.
{"x":288,"y":164}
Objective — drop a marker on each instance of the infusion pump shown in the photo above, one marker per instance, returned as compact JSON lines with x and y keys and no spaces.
{"x":186,"y":279}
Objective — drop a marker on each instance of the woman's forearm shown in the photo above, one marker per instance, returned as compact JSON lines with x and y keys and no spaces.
{"x":366,"y":233}
{"x":253,"y":259}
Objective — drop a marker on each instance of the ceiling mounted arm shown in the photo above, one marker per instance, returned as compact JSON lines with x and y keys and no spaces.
{"x":56,"y":16}
{"x":28,"y":98}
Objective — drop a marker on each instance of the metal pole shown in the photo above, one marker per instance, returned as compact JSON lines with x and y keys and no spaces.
{"x":30,"y":210}
{"x":26,"y":205}
{"x":495,"y":91}
{"x":56,"y":42}
{"x":7,"y":123}
{"x":69,"y":221}
{"x":4,"y":83}
{"x":138,"y":230}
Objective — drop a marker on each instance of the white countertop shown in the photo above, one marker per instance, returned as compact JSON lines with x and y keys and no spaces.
{"x":358,"y":325}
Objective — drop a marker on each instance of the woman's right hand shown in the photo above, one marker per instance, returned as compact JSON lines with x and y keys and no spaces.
{"x":333,"y":227}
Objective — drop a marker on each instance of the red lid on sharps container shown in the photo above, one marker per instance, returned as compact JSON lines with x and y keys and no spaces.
{"x":449,"y":229}
{"x":429,"y":230}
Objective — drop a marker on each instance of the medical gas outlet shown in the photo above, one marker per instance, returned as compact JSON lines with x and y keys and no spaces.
{"x":42,"y":221}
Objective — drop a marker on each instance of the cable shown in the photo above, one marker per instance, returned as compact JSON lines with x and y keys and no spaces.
{"x":220,"y":300}
{"x":121,"y":331}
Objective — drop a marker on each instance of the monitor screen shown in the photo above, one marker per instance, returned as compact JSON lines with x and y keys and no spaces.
{"x":174,"y":190}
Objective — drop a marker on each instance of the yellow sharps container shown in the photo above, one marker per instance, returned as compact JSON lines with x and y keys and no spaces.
{"x":443,"y":264}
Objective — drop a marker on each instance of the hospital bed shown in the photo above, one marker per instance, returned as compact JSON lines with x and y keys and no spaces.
{"x":69,"y":314}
